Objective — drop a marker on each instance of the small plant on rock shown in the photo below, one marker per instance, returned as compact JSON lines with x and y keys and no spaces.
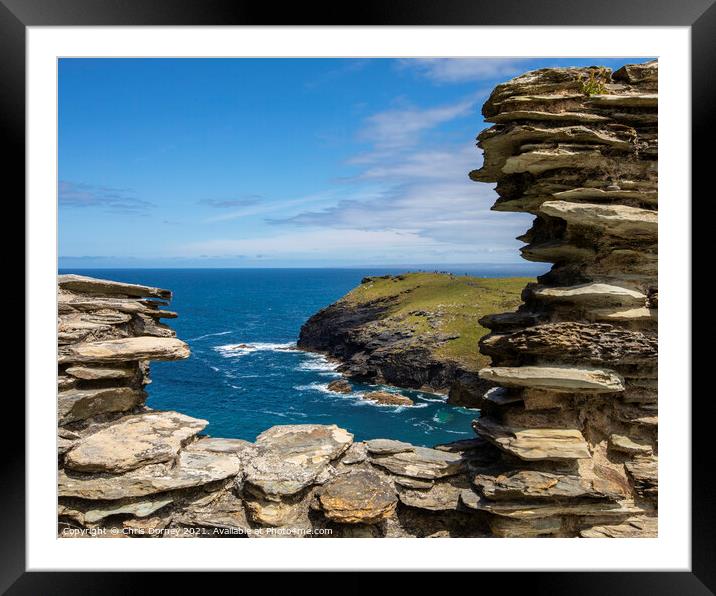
{"x":593,"y":85}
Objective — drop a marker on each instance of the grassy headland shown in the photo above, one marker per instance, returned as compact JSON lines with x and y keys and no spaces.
{"x":430,"y":303}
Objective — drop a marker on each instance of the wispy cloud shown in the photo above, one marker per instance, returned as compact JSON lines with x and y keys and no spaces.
{"x":411,"y":179}
{"x":441,"y":211}
{"x":268,"y":207}
{"x":117,"y":200}
{"x":461,"y":70}
{"x":344,"y":245}
{"x":245,"y":201}
{"x":402,"y":127}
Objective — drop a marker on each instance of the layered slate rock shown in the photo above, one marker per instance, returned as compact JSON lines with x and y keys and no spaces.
{"x":420,"y":462}
{"x":134,"y":441}
{"x":79,"y":404}
{"x":124,"y":350}
{"x":359,"y":497}
{"x":575,"y":415}
{"x":556,"y":378}
{"x":310,"y":444}
{"x":567,"y":442}
{"x":192,"y":469}
{"x":289,"y":461}
{"x":535,"y":443}
{"x":107,"y":332}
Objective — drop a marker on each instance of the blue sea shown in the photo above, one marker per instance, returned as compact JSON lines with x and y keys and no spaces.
{"x":242,"y":391}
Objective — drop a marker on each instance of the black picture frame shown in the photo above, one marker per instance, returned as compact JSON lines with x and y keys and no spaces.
{"x":699,"y":15}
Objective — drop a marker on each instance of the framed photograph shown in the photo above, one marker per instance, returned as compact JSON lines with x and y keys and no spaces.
{"x":389,"y":278}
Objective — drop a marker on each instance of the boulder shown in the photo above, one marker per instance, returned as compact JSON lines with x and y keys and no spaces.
{"x":192,"y":468}
{"x":629,"y":446}
{"x":276,"y":512}
{"x":340,"y":386}
{"x":532,"y":484}
{"x":311,"y":444}
{"x":90,"y":373}
{"x":134,"y":441}
{"x":441,"y":496}
{"x":556,"y":378}
{"x":357,"y":453}
{"x":359,"y":497}
{"x":421,"y":462}
{"x":80,"y":404}
{"x":88,"y":512}
{"x":125,"y":350}
{"x":215,"y":512}
{"x":272,"y":476}
{"x":596,"y":294}
{"x":387,"y":398}
{"x":534,"y":443}
{"x":387,"y":446}
{"x":614,"y":220}
{"x":91,"y":285}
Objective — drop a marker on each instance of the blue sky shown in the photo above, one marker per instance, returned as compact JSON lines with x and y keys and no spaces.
{"x":280,"y":162}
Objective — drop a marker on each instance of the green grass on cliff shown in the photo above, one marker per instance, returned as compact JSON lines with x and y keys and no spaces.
{"x":444,"y":303}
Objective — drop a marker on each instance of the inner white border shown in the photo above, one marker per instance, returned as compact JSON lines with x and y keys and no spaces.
{"x":671,"y":550}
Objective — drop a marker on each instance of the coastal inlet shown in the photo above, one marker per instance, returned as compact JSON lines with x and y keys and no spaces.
{"x":245,"y":375}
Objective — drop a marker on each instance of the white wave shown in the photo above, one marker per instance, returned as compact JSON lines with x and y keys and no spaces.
{"x":317,"y":363}
{"x":438,"y":400}
{"x":209,"y":335}
{"x":280,"y":414}
{"x":423,"y":424}
{"x":316,"y":386}
{"x":238,"y":350}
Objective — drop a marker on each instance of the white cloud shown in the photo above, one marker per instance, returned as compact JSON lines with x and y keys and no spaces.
{"x":461,"y":70}
{"x":401,"y":127}
{"x":337,"y":243}
{"x":411,"y":200}
{"x":412,"y":182}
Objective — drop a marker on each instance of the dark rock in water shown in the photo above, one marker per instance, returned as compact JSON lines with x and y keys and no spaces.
{"x":383,"y":397}
{"x":340,"y":386}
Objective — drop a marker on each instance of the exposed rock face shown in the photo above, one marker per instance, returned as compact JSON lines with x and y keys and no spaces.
{"x":417,"y":330}
{"x":133,"y":441}
{"x":107,"y":331}
{"x":577,"y":362}
{"x":566,"y":441}
{"x":359,"y":497}
{"x":140,"y":472}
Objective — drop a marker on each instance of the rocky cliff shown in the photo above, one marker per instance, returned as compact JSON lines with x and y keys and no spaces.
{"x":128,"y":470}
{"x":566,"y":444}
{"x":416,"y":330}
{"x":577,"y":362}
